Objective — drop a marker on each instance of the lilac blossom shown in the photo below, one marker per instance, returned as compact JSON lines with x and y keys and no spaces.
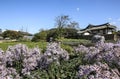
{"x":108,"y":52}
{"x":15,"y":53}
{"x":54,"y":52}
{"x":30,"y":60}
{"x":92,"y":51}
{"x":97,"y":71}
{"x":27,"y":57}
{"x":81,"y":48}
{"x":6,"y":73}
{"x":104,"y":46}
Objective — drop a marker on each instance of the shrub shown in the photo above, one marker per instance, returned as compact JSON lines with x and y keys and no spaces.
{"x":99,"y":61}
{"x":97,"y":71}
{"x":102,"y":52}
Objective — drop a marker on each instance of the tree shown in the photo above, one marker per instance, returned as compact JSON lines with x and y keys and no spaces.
{"x":61,"y":22}
{"x":42,"y":35}
{"x":66,"y":26}
{"x":11,"y":34}
{"x":52,"y":33}
{"x":70,"y":33}
{"x":73,"y":25}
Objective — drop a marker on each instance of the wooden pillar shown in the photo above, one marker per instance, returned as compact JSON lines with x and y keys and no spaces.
{"x":115,"y":37}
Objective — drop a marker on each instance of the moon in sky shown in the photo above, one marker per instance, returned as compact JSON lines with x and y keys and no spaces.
{"x":78,"y":9}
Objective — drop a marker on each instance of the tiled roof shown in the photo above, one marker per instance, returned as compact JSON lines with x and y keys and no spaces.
{"x":96,"y":27}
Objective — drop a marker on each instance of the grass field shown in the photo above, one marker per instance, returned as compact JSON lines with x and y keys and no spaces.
{"x":41,"y":45}
{"x":67,"y":44}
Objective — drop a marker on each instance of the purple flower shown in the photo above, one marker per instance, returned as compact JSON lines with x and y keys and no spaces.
{"x":97,"y":71}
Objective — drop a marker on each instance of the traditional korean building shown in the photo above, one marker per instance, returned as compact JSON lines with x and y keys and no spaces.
{"x":106,"y":28}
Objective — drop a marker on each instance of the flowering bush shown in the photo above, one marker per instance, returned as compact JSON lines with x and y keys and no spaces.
{"x":102,"y":52}
{"x":81,"y":49}
{"x":53,"y":53}
{"x":20,"y":62}
{"x":97,"y":71}
{"x":30,"y":61}
{"x":6,"y":72}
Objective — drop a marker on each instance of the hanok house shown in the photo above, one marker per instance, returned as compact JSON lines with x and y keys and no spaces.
{"x":107,"y":30}
{"x":98,"y":29}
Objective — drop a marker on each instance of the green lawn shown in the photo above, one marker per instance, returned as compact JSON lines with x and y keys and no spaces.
{"x":67,"y":44}
{"x":41,"y":45}
{"x":75,"y":42}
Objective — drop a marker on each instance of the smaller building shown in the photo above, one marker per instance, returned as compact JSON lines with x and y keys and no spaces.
{"x":28,"y":37}
{"x":98,"y":29}
{"x":1,"y":38}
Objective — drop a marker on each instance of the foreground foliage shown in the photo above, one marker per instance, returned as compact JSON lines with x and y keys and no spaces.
{"x":94,"y":62}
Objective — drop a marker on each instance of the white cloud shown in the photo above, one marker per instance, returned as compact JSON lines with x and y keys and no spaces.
{"x":78,"y":9}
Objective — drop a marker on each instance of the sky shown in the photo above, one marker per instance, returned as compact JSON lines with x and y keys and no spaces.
{"x":33,"y":15}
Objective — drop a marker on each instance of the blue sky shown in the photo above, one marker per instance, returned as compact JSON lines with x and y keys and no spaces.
{"x":33,"y":15}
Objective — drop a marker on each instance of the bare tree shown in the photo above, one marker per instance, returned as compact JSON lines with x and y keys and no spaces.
{"x":61,"y":22}
{"x":74,"y":25}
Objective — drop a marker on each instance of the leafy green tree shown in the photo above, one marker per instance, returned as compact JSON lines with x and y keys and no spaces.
{"x":70,"y":33}
{"x":53,"y":33}
{"x":42,"y":35}
{"x":11,"y":34}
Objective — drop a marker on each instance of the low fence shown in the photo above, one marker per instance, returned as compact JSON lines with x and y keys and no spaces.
{"x":14,"y":40}
{"x":87,"y":37}
{"x":107,"y":37}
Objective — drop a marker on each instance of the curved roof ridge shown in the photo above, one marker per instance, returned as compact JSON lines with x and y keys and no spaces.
{"x":100,"y":24}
